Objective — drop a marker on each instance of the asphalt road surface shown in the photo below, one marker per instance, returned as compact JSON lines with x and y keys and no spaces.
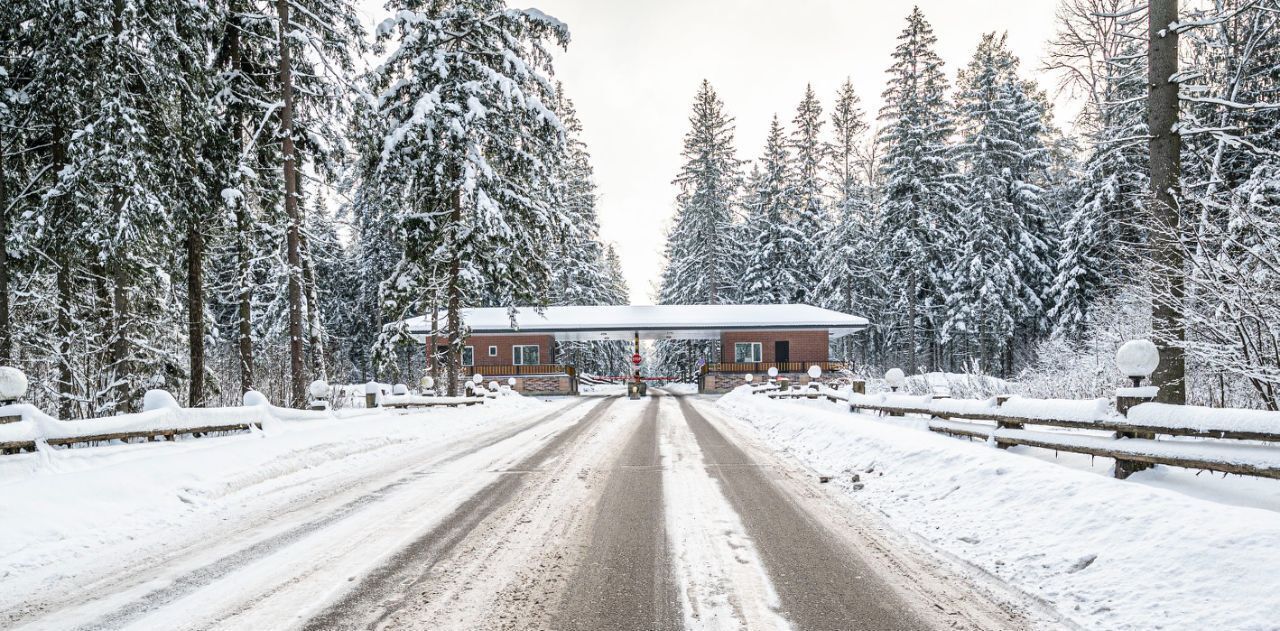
{"x":603,"y":514}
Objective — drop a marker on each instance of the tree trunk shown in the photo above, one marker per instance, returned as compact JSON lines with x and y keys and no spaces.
{"x":433,"y":354}
{"x":63,"y":332}
{"x":911,"y":325}
{"x":63,"y":325}
{"x":121,"y":364}
{"x":244,"y":293}
{"x":312,"y":294}
{"x":455,"y":299}
{"x":290,"y":154}
{"x":195,"y":312}
{"x":1165,"y":147}
{"x":6,"y":330}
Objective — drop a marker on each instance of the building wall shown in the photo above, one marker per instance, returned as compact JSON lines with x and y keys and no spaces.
{"x":806,"y":346}
{"x":505,"y":343}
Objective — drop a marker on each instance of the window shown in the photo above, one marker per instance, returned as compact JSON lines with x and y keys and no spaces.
{"x":468,"y":356}
{"x":493,"y":351}
{"x":525,"y":355}
{"x":745,"y":352}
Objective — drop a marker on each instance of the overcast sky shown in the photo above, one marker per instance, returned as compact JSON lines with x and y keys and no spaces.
{"x":632,"y":69}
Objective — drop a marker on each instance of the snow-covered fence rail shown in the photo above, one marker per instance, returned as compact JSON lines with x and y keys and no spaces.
{"x":161,"y":419}
{"x":1129,"y":437}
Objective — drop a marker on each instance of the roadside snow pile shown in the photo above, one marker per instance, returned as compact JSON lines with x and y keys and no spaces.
{"x":67,"y":507}
{"x":1105,"y":553}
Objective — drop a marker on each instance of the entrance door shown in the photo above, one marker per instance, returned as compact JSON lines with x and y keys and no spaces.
{"x":782,"y":351}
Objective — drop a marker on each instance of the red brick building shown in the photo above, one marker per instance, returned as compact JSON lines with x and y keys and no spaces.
{"x":753,"y":338}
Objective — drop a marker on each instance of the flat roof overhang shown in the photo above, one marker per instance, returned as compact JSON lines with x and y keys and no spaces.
{"x":650,"y":322}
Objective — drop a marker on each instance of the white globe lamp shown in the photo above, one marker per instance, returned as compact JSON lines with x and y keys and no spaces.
{"x":1137,"y":359}
{"x":773,"y":372}
{"x":511,"y":381}
{"x":895,"y":378}
{"x":427,"y":383}
{"x":13,"y":384}
{"x":319,"y":390}
{"x":815,"y":371}
{"x":749,"y":377}
{"x":477,"y":379}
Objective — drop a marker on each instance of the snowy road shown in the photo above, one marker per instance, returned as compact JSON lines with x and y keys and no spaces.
{"x":598,"y":513}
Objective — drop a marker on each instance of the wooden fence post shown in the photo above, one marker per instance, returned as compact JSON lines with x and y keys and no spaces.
{"x":1001,"y":424}
{"x":1127,"y":399}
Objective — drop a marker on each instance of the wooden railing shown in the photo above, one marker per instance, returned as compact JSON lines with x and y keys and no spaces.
{"x":1132,"y":441}
{"x":760,"y":368}
{"x":518,"y":371}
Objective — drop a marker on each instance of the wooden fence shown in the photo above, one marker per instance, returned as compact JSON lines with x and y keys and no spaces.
{"x":1211,"y":439}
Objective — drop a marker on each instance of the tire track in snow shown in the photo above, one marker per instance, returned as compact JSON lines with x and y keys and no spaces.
{"x":821,"y":583}
{"x":384,"y":590}
{"x":624,"y":580}
{"x":194,"y":580}
{"x":723,"y":582}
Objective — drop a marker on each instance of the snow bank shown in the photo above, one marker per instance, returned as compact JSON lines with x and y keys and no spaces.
{"x":1204,"y":418}
{"x":67,"y":508}
{"x":1105,"y":553}
{"x":161,"y":413}
{"x":1064,"y":409}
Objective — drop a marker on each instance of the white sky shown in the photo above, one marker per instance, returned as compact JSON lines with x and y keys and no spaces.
{"x":632,"y":68}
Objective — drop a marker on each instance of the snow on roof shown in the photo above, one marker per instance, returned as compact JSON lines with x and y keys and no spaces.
{"x":604,"y":322}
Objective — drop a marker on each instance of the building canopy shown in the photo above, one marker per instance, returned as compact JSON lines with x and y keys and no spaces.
{"x":651,"y":322}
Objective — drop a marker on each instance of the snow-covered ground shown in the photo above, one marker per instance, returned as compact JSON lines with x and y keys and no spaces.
{"x":74,"y":517}
{"x":1165,"y":549}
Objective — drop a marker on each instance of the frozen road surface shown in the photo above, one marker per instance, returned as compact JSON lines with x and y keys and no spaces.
{"x":593,"y":514}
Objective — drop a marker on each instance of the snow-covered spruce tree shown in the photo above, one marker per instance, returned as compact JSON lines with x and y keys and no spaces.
{"x":849,"y":273}
{"x":708,"y":185}
{"x":17,"y":130}
{"x":275,"y":148}
{"x":700,"y":249}
{"x":471,"y":148}
{"x":919,"y":196}
{"x":810,"y":153}
{"x":579,"y":269}
{"x":1004,"y":258}
{"x":118,"y":84}
{"x":1100,"y":238}
{"x":772,"y":233}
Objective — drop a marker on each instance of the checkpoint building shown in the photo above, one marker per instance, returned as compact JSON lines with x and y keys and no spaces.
{"x":753,"y":338}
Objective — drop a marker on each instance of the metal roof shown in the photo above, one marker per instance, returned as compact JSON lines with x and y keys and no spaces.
{"x":651,"y":322}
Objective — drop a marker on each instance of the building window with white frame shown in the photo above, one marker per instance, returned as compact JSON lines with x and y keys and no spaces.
{"x":747,"y":352}
{"x":493,"y":351}
{"x":468,"y":355}
{"x":525,"y":355}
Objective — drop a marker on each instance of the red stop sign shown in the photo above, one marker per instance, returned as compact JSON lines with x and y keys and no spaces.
{"x":635,"y":359}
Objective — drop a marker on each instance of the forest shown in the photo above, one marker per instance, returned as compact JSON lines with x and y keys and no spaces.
{"x":979,"y":237}
{"x":222,"y":196}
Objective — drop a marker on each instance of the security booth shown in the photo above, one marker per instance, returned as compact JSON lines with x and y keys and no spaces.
{"x":751,"y":339}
